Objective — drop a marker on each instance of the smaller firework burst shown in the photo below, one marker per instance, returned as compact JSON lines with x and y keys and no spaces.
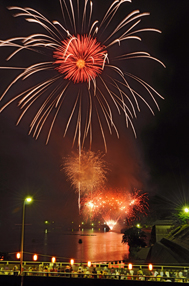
{"x":87,"y":169}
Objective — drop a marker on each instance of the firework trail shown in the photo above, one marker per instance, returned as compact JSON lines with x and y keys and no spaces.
{"x":80,"y":59}
{"x":114,"y":204}
{"x":86,"y":171}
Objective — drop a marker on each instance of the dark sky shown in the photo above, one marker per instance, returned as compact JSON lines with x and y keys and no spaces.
{"x":157,"y":161}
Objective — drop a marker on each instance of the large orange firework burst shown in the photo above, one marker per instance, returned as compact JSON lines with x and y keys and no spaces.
{"x":80,"y":57}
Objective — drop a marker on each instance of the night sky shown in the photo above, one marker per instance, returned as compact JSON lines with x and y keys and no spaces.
{"x":156,"y":162}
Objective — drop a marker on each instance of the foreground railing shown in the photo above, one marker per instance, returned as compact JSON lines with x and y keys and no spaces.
{"x":98,"y":275}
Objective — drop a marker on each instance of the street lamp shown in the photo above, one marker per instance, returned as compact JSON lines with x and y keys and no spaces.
{"x":186,"y":214}
{"x":27,"y":200}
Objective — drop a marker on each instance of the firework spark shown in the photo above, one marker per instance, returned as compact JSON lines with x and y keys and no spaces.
{"x":111,"y":223}
{"x":80,"y":59}
{"x":115,"y":204}
{"x":86,"y":171}
{"x":80,"y":55}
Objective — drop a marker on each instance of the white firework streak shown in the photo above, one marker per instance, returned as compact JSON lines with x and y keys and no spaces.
{"x":102,"y":94}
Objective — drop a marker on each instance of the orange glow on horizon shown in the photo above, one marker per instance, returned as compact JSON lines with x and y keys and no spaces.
{"x":111,"y":223}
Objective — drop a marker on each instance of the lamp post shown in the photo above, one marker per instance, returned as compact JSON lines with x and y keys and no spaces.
{"x":27,"y":200}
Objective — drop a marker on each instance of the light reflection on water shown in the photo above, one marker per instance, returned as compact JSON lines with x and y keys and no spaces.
{"x":96,"y":246}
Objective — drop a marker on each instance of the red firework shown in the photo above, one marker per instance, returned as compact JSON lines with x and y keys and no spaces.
{"x":114,"y":204}
{"x":80,"y":58}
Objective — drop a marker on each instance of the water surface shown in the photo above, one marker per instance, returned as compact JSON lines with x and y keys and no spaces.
{"x":95,"y":246}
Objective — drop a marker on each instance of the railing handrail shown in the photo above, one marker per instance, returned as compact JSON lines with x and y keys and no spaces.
{"x":135,"y":265}
{"x":97,"y":275}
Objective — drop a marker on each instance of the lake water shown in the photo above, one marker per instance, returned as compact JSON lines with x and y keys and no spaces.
{"x":96,"y":246}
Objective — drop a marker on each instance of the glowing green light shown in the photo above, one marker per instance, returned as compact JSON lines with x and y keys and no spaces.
{"x":138,"y":225}
{"x":28,"y":199}
{"x":186,"y":210}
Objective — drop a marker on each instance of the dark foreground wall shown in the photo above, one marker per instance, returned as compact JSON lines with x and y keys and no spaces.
{"x":166,"y":252}
{"x":6,"y":280}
